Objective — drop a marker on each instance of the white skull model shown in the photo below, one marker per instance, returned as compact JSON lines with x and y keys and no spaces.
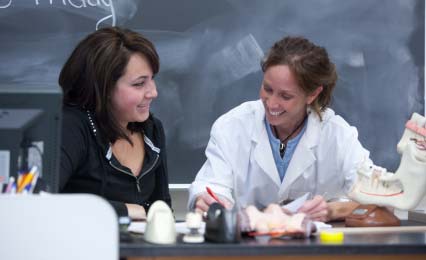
{"x":405,"y":188}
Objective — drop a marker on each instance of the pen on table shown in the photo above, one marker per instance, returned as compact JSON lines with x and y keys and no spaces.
{"x":20,"y":178}
{"x":33,"y":182}
{"x":27,"y":179}
{"x":214,"y":196}
{"x":1,"y":183}
{"x":10,"y":185}
{"x":13,"y":190}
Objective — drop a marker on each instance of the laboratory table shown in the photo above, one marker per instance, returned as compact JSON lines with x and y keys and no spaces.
{"x":388,"y":246}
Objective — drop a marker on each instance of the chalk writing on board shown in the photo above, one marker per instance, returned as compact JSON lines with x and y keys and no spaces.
{"x":103,"y":4}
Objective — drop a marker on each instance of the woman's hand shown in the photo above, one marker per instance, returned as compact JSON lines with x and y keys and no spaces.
{"x":316,"y":208}
{"x":204,"y":200}
{"x":319,"y":210}
{"x":339,"y":210}
{"x":135,"y":211}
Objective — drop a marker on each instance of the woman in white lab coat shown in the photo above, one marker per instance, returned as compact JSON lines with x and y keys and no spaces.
{"x":286,"y":144}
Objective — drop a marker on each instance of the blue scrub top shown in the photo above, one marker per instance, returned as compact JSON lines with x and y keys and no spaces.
{"x":282,"y":163}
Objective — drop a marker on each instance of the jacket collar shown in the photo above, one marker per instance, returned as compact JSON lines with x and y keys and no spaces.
{"x":303,"y":156}
{"x":96,"y":132}
{"x":262,"y":146}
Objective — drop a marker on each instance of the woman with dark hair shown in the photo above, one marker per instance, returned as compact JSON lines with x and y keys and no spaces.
{"x":286,"y":144}
{"x":112,"y":145}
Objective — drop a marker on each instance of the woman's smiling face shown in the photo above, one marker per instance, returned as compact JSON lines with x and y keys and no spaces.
{"x":284,"y":100}
{"x":134,"y":91}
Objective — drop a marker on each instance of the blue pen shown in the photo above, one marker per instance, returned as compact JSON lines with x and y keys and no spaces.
{"x":14,"y":188}
{"x":27,"y":179}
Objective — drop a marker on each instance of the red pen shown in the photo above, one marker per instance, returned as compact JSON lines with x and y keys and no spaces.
{"x":214,"y":196}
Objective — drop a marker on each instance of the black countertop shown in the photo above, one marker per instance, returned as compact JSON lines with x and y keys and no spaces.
{"x":133,"y":245}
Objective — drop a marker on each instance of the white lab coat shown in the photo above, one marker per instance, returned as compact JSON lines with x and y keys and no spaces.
{"x":239,"y":157}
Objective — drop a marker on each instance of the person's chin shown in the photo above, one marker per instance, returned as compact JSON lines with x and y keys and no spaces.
{"x":273,"y":120}
{"x":142,"y":117}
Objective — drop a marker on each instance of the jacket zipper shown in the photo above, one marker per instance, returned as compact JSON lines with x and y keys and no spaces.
{"x":140,"y":176}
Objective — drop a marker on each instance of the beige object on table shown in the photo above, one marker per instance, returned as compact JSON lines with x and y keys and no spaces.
{"x":160,"y":224}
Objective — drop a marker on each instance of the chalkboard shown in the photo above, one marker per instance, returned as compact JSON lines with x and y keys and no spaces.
{"x":210,"y":53}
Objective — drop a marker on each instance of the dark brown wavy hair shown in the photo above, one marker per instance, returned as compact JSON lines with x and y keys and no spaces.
{"x":89,"y":76}
{"x":309,"y":64}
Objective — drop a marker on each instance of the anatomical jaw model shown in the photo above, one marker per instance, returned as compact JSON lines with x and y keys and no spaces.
{"x":405,"y":188}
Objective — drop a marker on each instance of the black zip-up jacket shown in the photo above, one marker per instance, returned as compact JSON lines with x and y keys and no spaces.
{"x":88,"y":166}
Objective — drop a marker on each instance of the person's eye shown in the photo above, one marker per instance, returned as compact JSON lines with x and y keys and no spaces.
{"x":267,"y":89}
{"x":139,"y":84}
{"x":286,"y":97}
